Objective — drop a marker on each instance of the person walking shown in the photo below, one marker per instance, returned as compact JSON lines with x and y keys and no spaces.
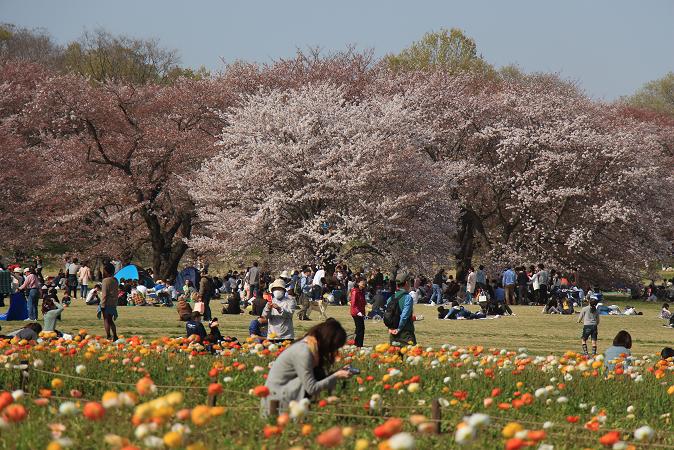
{"x":508,"y":282}
{"x":404,"y":331}
{"x":481,"y":277}
{"x":31,"y":284}
{"x":589,"y":315}
{"x":522,"y":285}
{"x":438,"y":281}
{"x":471,"y":280}
{"x":84,"y":276}
{"x":358,"y":310}
{"x":108,"y":306}
{"x":206,"y":291}
{"x":252,"y":278}
{"x":73,"y":269}
{"x":543,"y":283}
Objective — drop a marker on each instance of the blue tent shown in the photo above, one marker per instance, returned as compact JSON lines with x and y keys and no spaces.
{"x":188,"y":273}
{"x":18,"y":308}
{"x":133,"y":272}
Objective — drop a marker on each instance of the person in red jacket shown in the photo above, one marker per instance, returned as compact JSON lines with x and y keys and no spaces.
{"x":358,"y":310}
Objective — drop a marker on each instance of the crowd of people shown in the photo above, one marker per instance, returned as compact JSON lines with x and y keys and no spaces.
{"x":305,"y":368}
{"x":276,"y":301}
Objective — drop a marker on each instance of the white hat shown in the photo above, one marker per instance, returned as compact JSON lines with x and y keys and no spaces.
{"x":277,"y":284}
{"x":284,"y":274}
{"x":17,"y":270}
{"x":27,"y":269}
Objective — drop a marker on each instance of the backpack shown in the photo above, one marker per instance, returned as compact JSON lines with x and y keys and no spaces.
{"x":392,"y":311}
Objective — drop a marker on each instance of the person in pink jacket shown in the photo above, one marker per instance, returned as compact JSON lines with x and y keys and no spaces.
{"x":358,"y":310}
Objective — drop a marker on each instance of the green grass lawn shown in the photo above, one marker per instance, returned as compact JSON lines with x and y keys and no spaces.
{"x":540,"y":333}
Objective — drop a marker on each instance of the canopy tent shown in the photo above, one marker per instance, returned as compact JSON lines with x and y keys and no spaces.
{"x":188,"y":273}
{"x":133,"y":272}
{"x":18,"y":308}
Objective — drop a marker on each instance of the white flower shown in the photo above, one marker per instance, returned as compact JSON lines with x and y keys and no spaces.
{"x":153,"y":442}
{"x":394,"y":372}
{"x":630,"y":409}
{"x":142,"y":430}
{"x":464,"y":434}
{"x":562,"y":399}
{"x":375,"y":402}
{"x":568,"y":377}
{"x":477,"y":420}
{"x":582,"y":405}
{"x":17,"y":395}
{"x":446,"y":380}
{"x":620,"y":445}
{"x":522,"y":434}
{"x":80,"y":369}
{"x":298,"y":409}
{"x":38,"y":363}
{"x":181,"y":428}
{"x":540,"y":392}
{"x":65,"y":442}
{"x":443,"y":402}
{"x":401,"y":441}
{"x":546,"y":447}
{"x":644,"y":433}
{"x":547,"y":425}
{"x":413,"y":387}
{"x":67,"y":408}
{"x":227,"y":379}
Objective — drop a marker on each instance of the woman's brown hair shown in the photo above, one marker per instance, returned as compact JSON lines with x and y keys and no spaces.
{"x":622,"y":339}
{"x":330,"y":336}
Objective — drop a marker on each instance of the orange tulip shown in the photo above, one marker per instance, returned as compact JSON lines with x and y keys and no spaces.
{"x":93,"y":411}
{"x":330,"y":438}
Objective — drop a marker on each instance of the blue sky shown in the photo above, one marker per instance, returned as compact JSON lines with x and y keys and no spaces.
{"x":610,"y":47}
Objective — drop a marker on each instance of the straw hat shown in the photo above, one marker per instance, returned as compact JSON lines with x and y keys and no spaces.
{"x":277,"y":284}
{"x":284,"y":275}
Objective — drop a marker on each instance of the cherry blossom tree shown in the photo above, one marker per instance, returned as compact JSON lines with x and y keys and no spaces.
{"x":551,"y":175}
{"x":305,"y":174}
{"x":115,"y":154}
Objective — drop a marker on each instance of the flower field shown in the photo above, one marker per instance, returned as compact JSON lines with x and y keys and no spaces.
{"x":169,"y":393}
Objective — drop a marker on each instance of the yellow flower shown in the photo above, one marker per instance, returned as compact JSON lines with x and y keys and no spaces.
{"x":670,"y":391}
{"x":56,"y":383}
{"x":197,"y":446}
{"x":511,"y":429}
{"x":173,"y":439}
{"x":362,"y":444}
{"x":53,"y":445}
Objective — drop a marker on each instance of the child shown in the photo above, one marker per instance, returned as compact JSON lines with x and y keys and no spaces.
{"x":214,"y":336}
{"x":194,"y":326}
{"x":258,"y":329}
{"x":590,"y":318}
{"x":665,"y":313}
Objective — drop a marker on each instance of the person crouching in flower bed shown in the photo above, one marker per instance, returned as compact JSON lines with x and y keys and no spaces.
{"x":300,"y":371}
{"x":195,"y":327}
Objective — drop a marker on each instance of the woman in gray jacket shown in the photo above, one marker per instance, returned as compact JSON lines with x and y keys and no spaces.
{"x":293,"y":374}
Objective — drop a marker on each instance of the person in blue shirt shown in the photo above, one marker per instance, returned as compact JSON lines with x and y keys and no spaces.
{"x":258,"y":328}
{"x":619,"y":352}
{"x":194,"y":326}
{"x":405,"y":332}
{"x":508,"y":282}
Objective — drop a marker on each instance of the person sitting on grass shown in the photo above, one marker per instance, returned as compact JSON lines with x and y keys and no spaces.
{"x":195,"y":327}
{"x":51,"y":316}
{"x":619,"y":351}
{"x":215,"y":335}
{"x":258,"y":329}
{"x":667,"y":353}
{"x":233,"y":305}
{"x":93,"y":297}
{"x":664,"y":312}
{"x":552,"y":307}
{"x":184,"y":309}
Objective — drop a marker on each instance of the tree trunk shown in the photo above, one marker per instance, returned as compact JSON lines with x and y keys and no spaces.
{"x":167,"y":248}
{"x":464,"y":255}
